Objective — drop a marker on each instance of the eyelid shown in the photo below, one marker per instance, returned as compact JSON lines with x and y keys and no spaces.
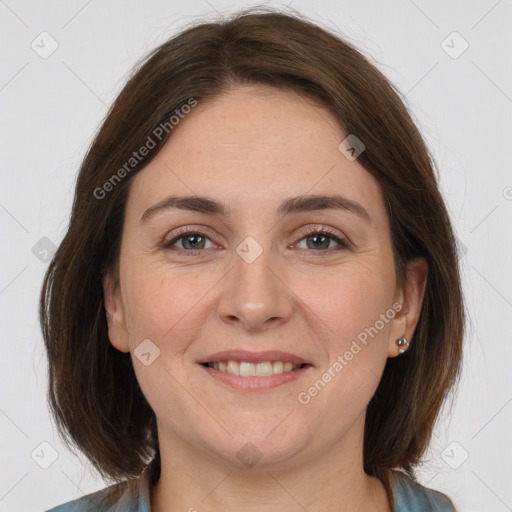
{"x":338,"y":237}
{"x":181,"y":232}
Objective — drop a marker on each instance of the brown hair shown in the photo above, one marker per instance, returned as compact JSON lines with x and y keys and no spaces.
{"x":93,"y":392}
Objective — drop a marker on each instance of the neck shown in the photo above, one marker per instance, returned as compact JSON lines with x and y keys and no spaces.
{"x":193,"y":481}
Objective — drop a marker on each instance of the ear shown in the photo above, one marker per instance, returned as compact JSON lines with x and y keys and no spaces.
{"x":410,"y":297}
{"x":117,"y":332}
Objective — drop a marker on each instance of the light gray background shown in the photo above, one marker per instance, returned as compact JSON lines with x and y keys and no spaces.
{"x":50,"y":109}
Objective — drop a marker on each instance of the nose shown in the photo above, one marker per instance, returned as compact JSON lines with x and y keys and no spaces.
{"x":255,"y":295}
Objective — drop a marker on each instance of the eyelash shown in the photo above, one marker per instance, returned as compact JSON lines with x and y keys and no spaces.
{"x":323,"y":230}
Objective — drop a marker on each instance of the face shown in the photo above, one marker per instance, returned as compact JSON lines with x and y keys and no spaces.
{"x":304,"y":281}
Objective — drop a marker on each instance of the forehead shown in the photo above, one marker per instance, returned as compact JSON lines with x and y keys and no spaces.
{"x":255,"y":145}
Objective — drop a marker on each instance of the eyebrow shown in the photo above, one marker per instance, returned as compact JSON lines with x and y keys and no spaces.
{"x":297,"y":204}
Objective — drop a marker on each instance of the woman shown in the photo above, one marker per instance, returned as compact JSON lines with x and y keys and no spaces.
{"x":257,"y":304}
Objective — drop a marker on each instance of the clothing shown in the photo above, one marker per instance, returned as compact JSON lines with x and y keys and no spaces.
{"x":410,"y":496}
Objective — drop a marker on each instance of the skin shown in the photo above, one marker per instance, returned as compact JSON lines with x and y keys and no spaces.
{"x":252,"y":148}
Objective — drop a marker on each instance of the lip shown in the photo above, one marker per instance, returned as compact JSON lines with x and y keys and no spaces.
{"x":255,"y":383}
{"x":253,"y":357}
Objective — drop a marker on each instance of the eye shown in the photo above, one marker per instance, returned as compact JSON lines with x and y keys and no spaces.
{"x":320,"y":239}
{"x":190,"y":241}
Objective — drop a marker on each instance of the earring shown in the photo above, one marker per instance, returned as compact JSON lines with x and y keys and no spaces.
{"x":402,"y":342}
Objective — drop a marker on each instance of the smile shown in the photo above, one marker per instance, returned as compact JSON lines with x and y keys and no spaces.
{"x":247,"y":369}
{"x":262,"y":376}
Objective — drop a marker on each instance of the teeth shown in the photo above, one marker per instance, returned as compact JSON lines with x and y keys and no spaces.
{"x":233,"y":368}
{"x":277,"y":367}
{"x":263,"y":369}
{"x":245,"y":369}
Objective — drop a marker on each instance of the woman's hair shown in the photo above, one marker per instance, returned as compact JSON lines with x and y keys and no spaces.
{"x":94,"y":395}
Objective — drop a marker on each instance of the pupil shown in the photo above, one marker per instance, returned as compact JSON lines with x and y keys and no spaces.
{"x":323,"y":240}
{"x":196,"y":238}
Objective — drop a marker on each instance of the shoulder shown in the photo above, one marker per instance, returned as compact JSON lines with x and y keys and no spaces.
{"x":97,"y":502}
{"x":94,"y":502}
{"x":410,"y":496}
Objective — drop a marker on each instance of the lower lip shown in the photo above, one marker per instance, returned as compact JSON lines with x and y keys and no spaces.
{"x":255,"y":383}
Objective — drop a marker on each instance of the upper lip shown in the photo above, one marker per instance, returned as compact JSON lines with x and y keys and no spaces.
{"x":253,"y":357}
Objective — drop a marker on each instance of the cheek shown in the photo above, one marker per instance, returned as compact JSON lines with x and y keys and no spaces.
{"x":165,"y":304}
{"x":344,"y":310}
{"x":168,"y":308}
{"x":354,"y":338}
{"x":349,"y":301}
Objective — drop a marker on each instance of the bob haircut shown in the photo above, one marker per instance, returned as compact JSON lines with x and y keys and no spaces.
{"x":94,"y":396}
